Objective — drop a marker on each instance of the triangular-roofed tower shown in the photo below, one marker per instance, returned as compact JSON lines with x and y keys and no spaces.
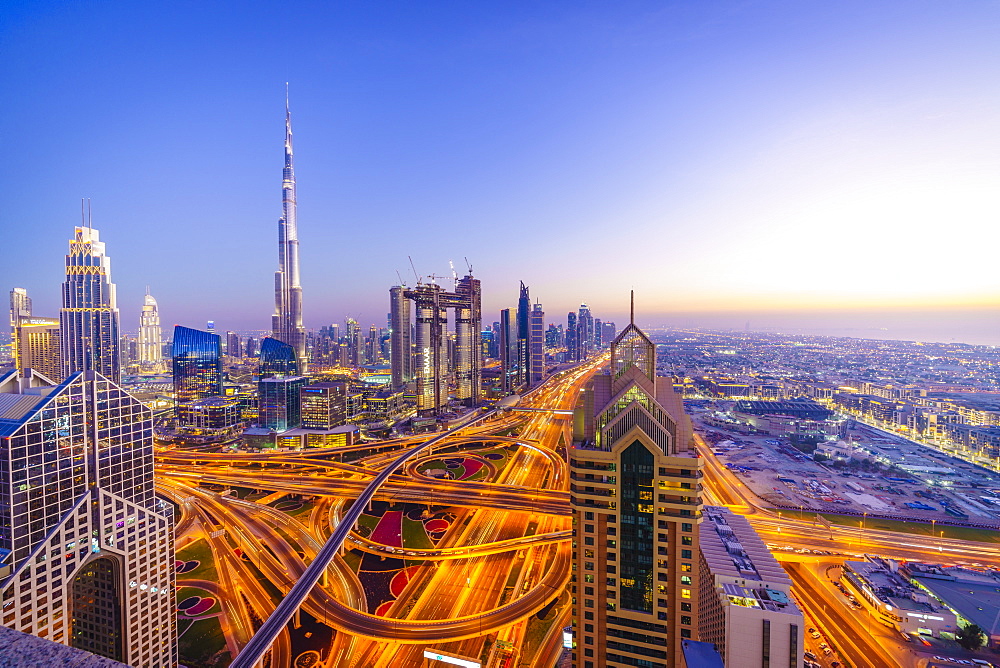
{"x":636,"y":497}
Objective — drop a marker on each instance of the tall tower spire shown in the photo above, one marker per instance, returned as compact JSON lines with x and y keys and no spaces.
{"x":286,"y":324}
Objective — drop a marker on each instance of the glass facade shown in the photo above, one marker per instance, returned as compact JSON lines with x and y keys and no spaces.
{"x":637,"y":528}
{"x":97,"y":615}
{"x":277,"y":359}
{"x":197,"y":364}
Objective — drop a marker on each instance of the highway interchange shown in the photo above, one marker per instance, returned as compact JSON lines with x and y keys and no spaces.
{"x":505,"y":557}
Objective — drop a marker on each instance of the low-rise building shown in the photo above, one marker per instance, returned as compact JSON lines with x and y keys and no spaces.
{"x":895,"y":601}
{"x":974,"y":596}
{"x":747,"y":610}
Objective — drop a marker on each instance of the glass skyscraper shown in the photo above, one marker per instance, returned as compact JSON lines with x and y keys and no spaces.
{"x":89,"y":546}
{"x":280,"y":403}
{"x":89,"y":315}
{"x":197,"y":364}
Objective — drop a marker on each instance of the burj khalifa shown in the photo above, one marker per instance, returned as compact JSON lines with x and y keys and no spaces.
{"x":286,"y":323}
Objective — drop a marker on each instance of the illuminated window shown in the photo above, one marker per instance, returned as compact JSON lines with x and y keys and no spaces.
{"x":685,"y":568}
{"x":685,"y":579}
{"x":685,"y":593}
{"x":588,"y":577}
{"x":588,"y":554}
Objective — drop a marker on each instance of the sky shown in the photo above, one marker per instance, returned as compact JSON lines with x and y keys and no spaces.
{"x":791,"y":164}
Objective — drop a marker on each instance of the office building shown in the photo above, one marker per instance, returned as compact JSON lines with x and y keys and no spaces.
{"x":212,"y":418}
{"x":635,"y":489}
{"x":276,"y":359}
{"x":89,"y":315}
{"x":523,"y":337}
{"x":250,"y":350}
{"x":90,"y":547}
{"x":196,"y":364}
{"x":286,"y":323}
{"x":323,"y":405}
{"x":536,"y":345}
{"x":746,"y":606}
{"x":234,"y":347}
{"x":37,"y":346}
{"x":585,"y":331}
{"x":150,"y":353}
{"x":468,"y":351}
{"x":279,"y":402}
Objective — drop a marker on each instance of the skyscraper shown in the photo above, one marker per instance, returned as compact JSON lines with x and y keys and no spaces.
{"x":91,"y":548}
{"x":636,"y":495}
{"x":89,"y":315}
{"x":536,"y":345}
{"x":234,"y":348}
{"x":400,"y":349}
{"x":286,"y":324}
{"x":279,"y":404}
{"x":150,"y":337}
{"x":585,"y":332}
{"x":523,"y":336}
{"x":572,"y":338}
{"x":20,"y":307}
{"x":508,"y":347}
{"x":197,"y":364}
{"x":468,"y":351}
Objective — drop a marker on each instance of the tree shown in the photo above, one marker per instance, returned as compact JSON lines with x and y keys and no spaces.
{"x":970,"y":636}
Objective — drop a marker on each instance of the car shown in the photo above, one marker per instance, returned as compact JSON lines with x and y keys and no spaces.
{"x":810,"y":655}
{"x":815,"y":634}
{"x":827,"y":651}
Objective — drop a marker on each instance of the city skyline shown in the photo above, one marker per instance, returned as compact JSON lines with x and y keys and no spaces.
{"x":822,"y":185}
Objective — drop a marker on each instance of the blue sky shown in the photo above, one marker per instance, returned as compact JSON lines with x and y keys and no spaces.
{"x":719,"y":157}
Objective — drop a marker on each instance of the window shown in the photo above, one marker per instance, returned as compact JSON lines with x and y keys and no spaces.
{"x":588,"y":565}
{"x":685,"y":568}
{"x":686,"y":607}
{"x":685,"y":633}
{"x":685,"y":593}
{"x":589,"y":577}
{"x":589,"y":528}
{"x":588,"y":603}
{"x":686,"y":527}
{"x":687,"y":540}
{"x":588,"y":640}
{"x":588,"y":554}
{"x":661,"y":602}
{"x":588,"y":540}
{"x":686,"y":554}
{"x":589,"y":516}
{"x":589,"y":591}
{"x":612,"y":582}
{"x":588,"y":615}
{"x":662,"y":537}
{"x":686,"y":619}
{"x":685,"y":579}
{"x":589,"y":628}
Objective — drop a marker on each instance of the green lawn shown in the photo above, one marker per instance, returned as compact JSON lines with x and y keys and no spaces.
{"x":202,"y":552}
{"x":203,"y":645}
{"x":353,"y":559}
{"x":918,"y":528}
{"x":414,"y":535}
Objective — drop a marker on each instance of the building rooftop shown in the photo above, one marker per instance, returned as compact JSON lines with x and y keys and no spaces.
{"x":886,"y":584}
{"x":733,"y":550}
{"x":974,"y":595}
{"x":28,"y":651}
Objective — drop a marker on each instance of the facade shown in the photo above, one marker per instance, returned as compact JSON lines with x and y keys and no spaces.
{"x":323,"y":405}
{"x":279,"y":406}
{"x":277,"y":359}
{"x":746,"y":607}
{"x":197,"y":364}
{"x":895,"y":601}
{"x":468,"y":351}
{"x":572,"y":338}
{"x":636,"y":496}
{"x":37,"y":346}
{"x":150,"y":337}
{"x":234,"y":347}
{"x":89,"y":315}
{"x":91,"y":548}
{"x":585,"y":332}
{"x":400,"y":348}
{"x":286,"y":323}
{"x":508,"y":347}
{"x":212,"y":417}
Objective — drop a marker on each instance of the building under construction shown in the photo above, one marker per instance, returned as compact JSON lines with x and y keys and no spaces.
{"x":428,"y":359}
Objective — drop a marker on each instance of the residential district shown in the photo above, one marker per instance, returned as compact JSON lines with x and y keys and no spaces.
{"x":448,"y":487}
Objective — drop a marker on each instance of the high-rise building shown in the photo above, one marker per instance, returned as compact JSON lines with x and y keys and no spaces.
{"x":89,"y":314}
{"x":197,"y":364}
{"x":636,"y":497}
{"x":20,"y":307}
{"x":508,"y":347}
{"x":572,"y":338}
{"x":585,"y":331}
{"x":37,"y":346}
{"x":90,"y":548}
{"x":251,"y":347}
{"x":598,"y":334}
{"x":401,"y":350}
{"x":609,"y":331}
{"x":276,"y":359}
{"x":433,"y":362}
{"x":323,"y":405}
{"x":746,"y":606}
{"x":234,"y":348}
{"x":468,"y":357}
{"x":279,"y":403}
{"x":523,"y":336}
{"x":150,"y":337}
{"x":536,"y":345}
{"x":286,"y":324}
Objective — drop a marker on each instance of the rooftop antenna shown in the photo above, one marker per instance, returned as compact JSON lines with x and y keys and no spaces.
{"x":631,"y":316}
{"x":414,"y":269}
{"x":90,"y":214}
{"x":83,"y":211}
